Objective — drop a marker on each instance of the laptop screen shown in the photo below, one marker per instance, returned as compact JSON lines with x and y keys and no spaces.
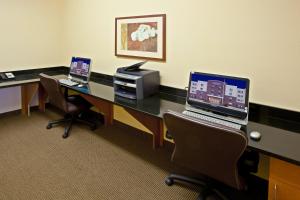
{"x":217,"y":93}
{"x":80,"y":68}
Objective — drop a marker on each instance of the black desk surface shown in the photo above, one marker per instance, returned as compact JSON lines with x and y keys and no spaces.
{"x":277,"y":142}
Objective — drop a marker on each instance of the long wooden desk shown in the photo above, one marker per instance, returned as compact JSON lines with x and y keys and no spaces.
{"x":282,"y":144}
{"x":276,"y":142}
{"x":148,"y":111}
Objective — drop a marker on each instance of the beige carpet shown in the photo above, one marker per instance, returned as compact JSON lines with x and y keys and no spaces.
{"x":111,"y":163}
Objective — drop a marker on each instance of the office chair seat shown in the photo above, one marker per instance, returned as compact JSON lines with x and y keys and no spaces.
{"x":76,"y":103}
{"x":73,"y":106}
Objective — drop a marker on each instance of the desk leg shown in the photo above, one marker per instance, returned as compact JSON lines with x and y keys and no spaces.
{"x":103,"y":106}
{"x":27,"y":93}
{"x":154,"y":124}
{"x":42,"y":98}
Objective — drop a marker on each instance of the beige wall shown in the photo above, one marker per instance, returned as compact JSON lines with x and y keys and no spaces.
{"x":255,"y":39}
{"x":31,"y":35}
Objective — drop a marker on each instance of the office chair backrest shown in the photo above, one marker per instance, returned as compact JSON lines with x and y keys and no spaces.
{"x":210,"y":149}
{"x":54,"y":91}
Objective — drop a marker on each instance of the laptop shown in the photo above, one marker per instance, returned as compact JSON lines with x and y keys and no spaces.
{"x":80,"y":70}
{"x":218,"y":98}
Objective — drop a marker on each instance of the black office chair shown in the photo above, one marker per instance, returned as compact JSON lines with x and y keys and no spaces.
{"x":209,"y":149}
{"x":73,"y":106}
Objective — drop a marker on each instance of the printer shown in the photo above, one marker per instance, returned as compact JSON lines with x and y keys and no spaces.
{"x":135,"y":83}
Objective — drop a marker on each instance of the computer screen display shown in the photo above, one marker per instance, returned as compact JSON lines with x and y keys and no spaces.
{"x":80,"y":68}
{"x":222,"y":94}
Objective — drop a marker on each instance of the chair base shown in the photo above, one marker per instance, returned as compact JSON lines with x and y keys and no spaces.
{"x":206,"y":192}
{"x":70,"y":119}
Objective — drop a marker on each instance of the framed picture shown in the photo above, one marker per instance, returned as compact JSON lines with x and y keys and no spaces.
{"x":141,"y":37}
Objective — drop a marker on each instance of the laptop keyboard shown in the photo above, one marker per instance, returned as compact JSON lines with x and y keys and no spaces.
{"x":68,"y":82}
{"x":212,"y":119}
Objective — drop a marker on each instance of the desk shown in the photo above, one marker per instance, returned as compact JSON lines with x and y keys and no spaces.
{"x":28,"y":89}
{"x":147,"y":111}
{"x":275,"y":142}
{"x":29,"y":82}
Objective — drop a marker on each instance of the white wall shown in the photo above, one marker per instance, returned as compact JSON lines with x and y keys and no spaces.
{"x":30,"y":37}
{"x":31,"y":34}
{"x":255,"y":39}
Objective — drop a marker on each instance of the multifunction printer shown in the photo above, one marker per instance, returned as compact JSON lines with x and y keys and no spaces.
{"x":135,"y":83}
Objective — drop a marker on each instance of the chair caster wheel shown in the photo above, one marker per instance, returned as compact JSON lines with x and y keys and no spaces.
{"x":49,"y":126}
{"x":169,"y":181}
{"x":65,"y":135}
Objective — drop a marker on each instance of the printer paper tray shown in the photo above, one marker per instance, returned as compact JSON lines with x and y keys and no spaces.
{"x":117,"y":82}
{"x":126,"y":95}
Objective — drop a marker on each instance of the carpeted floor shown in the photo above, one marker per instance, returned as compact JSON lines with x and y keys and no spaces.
{"x":111,"y":163}
{"x":116,"y":162}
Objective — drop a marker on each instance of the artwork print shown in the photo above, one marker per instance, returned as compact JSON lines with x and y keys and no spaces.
{"x":141,"y":37}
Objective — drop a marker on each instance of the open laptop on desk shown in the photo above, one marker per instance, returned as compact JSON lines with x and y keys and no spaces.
{"x":218,"y":99}
{"x":79,"y":73}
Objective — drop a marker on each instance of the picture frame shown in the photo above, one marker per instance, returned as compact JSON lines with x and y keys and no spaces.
{"x":142,"y":37}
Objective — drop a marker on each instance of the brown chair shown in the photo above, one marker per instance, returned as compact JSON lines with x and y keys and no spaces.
{"x":73,"y":106}
{"x":212,"y":150}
